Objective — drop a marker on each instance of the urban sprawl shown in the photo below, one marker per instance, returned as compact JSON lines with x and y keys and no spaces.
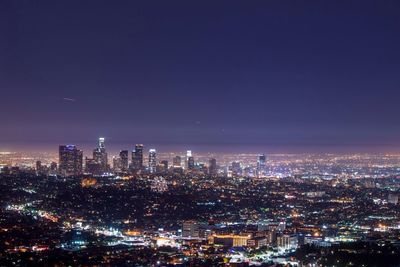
{"x":145,"y":208}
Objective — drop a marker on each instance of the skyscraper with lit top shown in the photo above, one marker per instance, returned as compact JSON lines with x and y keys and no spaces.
{"x":100,"y":156}
{"x":137,"y":158}
{"x":190,"y":160}
{"x":70,"y":161}
{"x":152,"y":160}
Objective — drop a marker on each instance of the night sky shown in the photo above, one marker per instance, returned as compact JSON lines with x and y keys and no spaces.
{"x":207,"y":75}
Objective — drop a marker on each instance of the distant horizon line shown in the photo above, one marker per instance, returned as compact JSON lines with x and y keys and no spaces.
{"x":48,"y":147}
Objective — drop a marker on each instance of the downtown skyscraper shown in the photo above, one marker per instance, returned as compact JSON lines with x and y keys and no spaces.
{"x":152,"y":160}
{"x":100,"y":156}
{"x":124,"y":160}
{"x":70,"y":160}
{"x":261,"y":165}
{"x":121,"y":162}
{"x":189,"y":160}
{"x":212,"y":167}
{"x":137,"y":158}
{"x":177,"y":162}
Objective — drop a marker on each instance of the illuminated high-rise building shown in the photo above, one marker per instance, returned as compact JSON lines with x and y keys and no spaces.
{"x":70,"y":161}
{"x":236,"y":168}
{"x":41,"y":169}
{"x":164,"y":163}
{"x":102,"y":145}
{"x":152,"y":160}
{"x":117,"y":164}
{"x":261,"y":166}
{"x":124,"y":160}
{"x":212,"y":167}
{"x":137,"y":157}
{"x":191,"y":163}
{"x":92,"y":166}
{"x":38,"y":167}
{"x":100,"y":156}
{"x":190,"y":160}
{"x":53,"y":168}
{"x":163,"y":166}
{"x":177,"y":162}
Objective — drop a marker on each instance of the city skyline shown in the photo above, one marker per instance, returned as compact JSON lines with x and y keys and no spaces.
{"x":286,"y":148}
{"x":224,"y":133}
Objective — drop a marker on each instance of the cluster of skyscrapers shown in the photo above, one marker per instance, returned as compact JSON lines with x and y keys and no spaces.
{"x":71,"y":162}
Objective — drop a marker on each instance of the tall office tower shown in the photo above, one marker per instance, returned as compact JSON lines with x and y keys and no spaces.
{"x":53,"y":168}
{"x":212,"y":167}
{"x":190,"y":160}
{"x":190,"y":163}
{"x":117,"y":164}
{"x":100,"y":155}
{"x":190,"y":229}
{"x":177,"y":162}
{"x":124,"y":158}
{"x":102,"y":145}
{"x":261,"y":167}
{"x":163,"y":166}
{"x":42,"y":169}
{"x":236,"y":168}
{"x":70,"y":159}
{"x":92,"y":167}
{"x":137,"y":157}
{"x":152,"y":160}
{"x":38,"y":167}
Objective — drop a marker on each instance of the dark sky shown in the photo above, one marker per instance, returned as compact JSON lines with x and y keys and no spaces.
{"x":278,"y":75}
